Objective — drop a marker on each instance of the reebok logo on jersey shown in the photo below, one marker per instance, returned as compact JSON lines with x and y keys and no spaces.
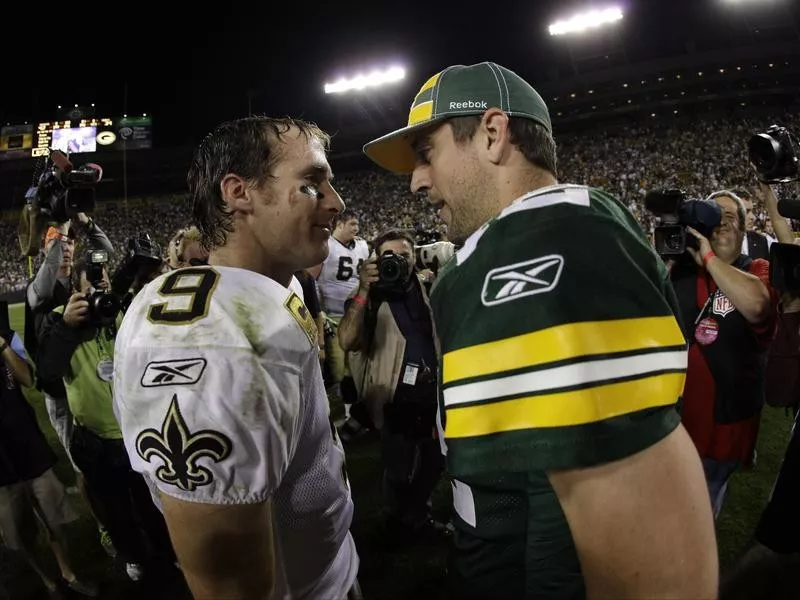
{"x":511,"y":282}
{"x":173,"y":372}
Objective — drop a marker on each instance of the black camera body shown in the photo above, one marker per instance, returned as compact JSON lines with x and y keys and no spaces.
{"x":104,"y":305}
{"x":675,"y":214}
{"x":784,"y":267}
{"x":393,"y":273}
{"x":773,"y":156}
{"x":141,"y":260}
{"x":61,"y":192}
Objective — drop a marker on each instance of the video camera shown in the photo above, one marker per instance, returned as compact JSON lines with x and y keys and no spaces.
{"x":61,"y":192}
{"x":393,"y":273}
{"x":139,"y":264}
{"x":675,"y":214}
{"x":784,"y":267}
{"x":104,"y":305}
{"x":433,"y":256}
{"x":773,"y":156}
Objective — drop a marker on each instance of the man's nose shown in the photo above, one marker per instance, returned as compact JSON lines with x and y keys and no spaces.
{"x":333,"y":202}
{"x":420,"y":179}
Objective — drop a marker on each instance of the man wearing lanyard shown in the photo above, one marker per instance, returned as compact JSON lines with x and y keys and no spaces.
{"x":728,"y":313}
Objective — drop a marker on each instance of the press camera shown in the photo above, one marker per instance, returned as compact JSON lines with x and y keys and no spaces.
{"x":61,"y":192}
{"x":393,"y":273}
{"x":435,"y":255}
{"x":773,"y":156}
{"x":675,"y":213}
{"x":104,"y":305}
{"x":139,"y":264}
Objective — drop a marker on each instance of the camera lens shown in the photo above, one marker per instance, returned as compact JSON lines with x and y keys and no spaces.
{"x":764,"y":151}
{"x":390,"y":271}
{"x":673,"y":242}
{"x":106,"y":307}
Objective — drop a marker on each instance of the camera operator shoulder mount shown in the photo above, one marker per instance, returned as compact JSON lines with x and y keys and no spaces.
{"x":61,"y":192}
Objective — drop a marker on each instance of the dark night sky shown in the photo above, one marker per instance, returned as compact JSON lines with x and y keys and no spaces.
{"x":192,"y":69}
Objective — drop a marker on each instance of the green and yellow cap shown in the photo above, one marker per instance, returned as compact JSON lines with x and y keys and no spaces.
{"x":457,"y":91}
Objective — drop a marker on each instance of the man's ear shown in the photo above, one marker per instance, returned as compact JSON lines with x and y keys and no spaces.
{"x":494,"y":127}
{"x":234,"y":191}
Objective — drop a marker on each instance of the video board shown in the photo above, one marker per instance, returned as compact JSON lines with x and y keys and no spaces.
{"x":93,"y":135}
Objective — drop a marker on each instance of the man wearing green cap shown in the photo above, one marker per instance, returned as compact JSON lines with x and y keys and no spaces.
{"x":562,"y":362}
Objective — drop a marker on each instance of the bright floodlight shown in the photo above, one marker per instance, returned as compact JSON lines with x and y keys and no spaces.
{"x":359,"y":82}
{"x":588,"y":20}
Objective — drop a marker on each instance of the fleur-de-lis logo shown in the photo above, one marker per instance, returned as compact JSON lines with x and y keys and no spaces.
{"x":180,"y":450}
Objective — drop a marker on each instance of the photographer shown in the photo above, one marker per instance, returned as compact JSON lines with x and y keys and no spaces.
{"x":727,"y":314}
{"x":51,"y":288}
{"x":388,"y":325}
{"x":77,"y":344}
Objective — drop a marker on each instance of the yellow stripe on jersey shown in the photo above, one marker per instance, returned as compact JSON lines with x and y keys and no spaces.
{"x":561,"y":343}
{"x":565,"y":409}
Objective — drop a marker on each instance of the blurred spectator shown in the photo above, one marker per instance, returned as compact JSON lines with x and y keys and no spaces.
{"x":28,"y":486}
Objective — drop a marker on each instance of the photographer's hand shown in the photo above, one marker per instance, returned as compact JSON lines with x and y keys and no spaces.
{"x":699,"y":256}
{"x":369,"y":274}
{"x":77,"y":310}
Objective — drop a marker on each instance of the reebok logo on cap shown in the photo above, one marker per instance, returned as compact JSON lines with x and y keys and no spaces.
{"x":469,"y":104}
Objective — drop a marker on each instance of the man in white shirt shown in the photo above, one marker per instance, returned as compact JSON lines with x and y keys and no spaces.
{"x":337,"y":280}
{"x":218,"y":387}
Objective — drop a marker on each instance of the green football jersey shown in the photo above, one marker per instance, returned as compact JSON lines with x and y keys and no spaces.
{"x":560,"y":349}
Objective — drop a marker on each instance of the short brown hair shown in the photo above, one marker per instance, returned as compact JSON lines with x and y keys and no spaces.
{"x":391,"y":235}
{"x":344,"y":216}
{"x":534,"y":141}
{"x":246,"y":147}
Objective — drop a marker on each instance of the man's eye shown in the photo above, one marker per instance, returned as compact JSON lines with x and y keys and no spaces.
{"x":311,"y":190}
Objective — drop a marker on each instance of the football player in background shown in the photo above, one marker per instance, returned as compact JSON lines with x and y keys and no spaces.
{"x":336,"y":281}
{"x":562,"y":362}
{"x":218,"y":385}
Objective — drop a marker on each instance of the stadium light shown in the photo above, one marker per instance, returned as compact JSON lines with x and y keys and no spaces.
{"x":359,"y":82}
{"x":586,"y":20}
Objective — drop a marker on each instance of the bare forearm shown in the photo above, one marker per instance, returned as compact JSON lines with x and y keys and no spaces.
{"x":783,"y":232}
{"x":351,"y":327}
{"x":20,"y":369}
{"x":747,"y":292}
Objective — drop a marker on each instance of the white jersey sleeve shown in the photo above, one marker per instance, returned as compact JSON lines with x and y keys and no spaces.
{"x":210,"y":409}
{"x":339,"y":274}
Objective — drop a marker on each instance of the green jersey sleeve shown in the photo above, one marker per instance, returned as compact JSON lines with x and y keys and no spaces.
{"x":560,"y":346}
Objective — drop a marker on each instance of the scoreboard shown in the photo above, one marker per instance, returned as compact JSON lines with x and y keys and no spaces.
{"x":75,"y":136}
{"x":93,"y":135}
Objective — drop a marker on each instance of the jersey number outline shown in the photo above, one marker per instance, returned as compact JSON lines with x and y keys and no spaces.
{"x":345,"y":270}
{"x":174,"y":286}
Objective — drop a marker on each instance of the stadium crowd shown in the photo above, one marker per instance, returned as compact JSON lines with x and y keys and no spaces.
{"x":697,"y":156}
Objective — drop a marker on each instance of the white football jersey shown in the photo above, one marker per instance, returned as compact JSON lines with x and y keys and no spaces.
{"x":219,"y":394}
{"x":339,"y":275}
